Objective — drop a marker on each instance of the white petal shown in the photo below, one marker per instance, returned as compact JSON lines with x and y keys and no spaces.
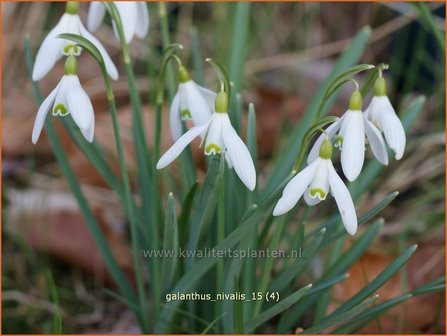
{"x":209,"y":95}
{"x":214,"y":142}
{"x":89,"y":133}
{"x":111,"y":69}
{"x":143,"y":20}
{"x":175,"y":121}
{"x":392,"y":128}
{"x":180,"y":145}
{"x":331,"y":131}
{"x":50,"y":50}
{"x":320,"y":181}
{"x":295,"y":189}
{"x":229,"y":162}
{"x":353,"y":151}
{"x":343,"y":200}
{"x":309,"y":200}
{"x":200,"y":111}
{"x":128,"y":14}
{"x":376,"y":142}
{"x":239,"y":155}
{"x":80,"y":106}
{"x":42,"y":114}
{"x":65,"y":84}
{"x":96,"y":15}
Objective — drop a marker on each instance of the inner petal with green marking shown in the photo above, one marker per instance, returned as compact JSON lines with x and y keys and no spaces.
{"x":60,"y":109}
{"x":212,"y":149}
{"x":318,"y":192}
{"x":71,"y":49}
{"x":338,"y":141}
{"x":186,"y":114}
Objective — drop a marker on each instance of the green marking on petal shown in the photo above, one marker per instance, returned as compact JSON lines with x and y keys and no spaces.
{"x":212,"y":149}
{"x":338,"y":141}
{"x":60,"y":109}
{"x":71,"y":49}
{"x":318,"y":192}
{"x":186,"y":114}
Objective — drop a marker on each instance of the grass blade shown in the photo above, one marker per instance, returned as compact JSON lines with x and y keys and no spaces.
{"x":170,"y":243}
{"x":327,"y":323}
{"x":276,"y":309}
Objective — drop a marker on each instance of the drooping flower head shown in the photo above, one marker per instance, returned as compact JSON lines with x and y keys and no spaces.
{"x":315,"y":182}
{"x":67,"y":98}
{"x":53,"y":47}
{"x":218,"y":137}
{"x":191,"y":102}
{"x":381,"y":113}
{"x":351,"y":129}
{"x":134,"y":18}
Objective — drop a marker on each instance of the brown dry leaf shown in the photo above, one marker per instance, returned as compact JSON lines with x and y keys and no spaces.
{"x":51,"y":223}
{"x":418,"y":313}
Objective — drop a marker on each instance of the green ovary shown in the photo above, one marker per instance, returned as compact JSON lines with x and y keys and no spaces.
{"x":212,"y":149}
{"x":60,"y":109}
{"x":185,"y":114}
{"x":319,"y":191}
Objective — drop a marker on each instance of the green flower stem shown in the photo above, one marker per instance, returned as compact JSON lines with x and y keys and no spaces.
{"x":151,"y":207}
{"x":133,"y":223}
{"x":163,"y":14}
{"x":110,"y":261}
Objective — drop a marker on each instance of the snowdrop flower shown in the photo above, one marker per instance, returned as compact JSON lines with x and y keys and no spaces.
{"x":191,"y":102}
{"x":219,"y":137}
{"x":53,"y":48}
{"x":352,"y":128}
{"x":381,"y":113}
{"x":134,"y":18}
{"x":67,"y":98}
{"x":315,"y":181}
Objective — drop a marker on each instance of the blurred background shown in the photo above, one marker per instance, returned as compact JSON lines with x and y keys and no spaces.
{"x":46,"y":247}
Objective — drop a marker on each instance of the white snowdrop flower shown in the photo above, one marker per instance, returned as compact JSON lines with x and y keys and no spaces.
{"x":67,"y":98}
{"x":134,"y":18}
{"x":53,"y":48}
{"x":351,"y":129}
{"x":316,"y":181}
{"x":219,"y":137}
{"x":381,"y":113}
{"x":191,"y":102}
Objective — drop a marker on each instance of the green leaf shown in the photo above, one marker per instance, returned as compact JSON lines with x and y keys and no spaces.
{"x":238,"y":312}
{"x":292,"y":270}
{"x":369,"y":315}
{"x":276,"y":309}
{"x":254,"y":216}
{"x":199,"y":73}
{"x":186,"y":212}
{"x":343,"y":263}
{"x":170,"y":243}
{"x":208,"y":199}
{"x":378,"y":282}
{"x":287,"y":157}
{"x":239,"y":43}
{"x":316,"y":329}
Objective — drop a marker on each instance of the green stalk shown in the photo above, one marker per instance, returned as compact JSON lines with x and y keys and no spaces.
{"x":110,"y":261}
{"x":151,"y":206}
{"x":128,"y":202}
